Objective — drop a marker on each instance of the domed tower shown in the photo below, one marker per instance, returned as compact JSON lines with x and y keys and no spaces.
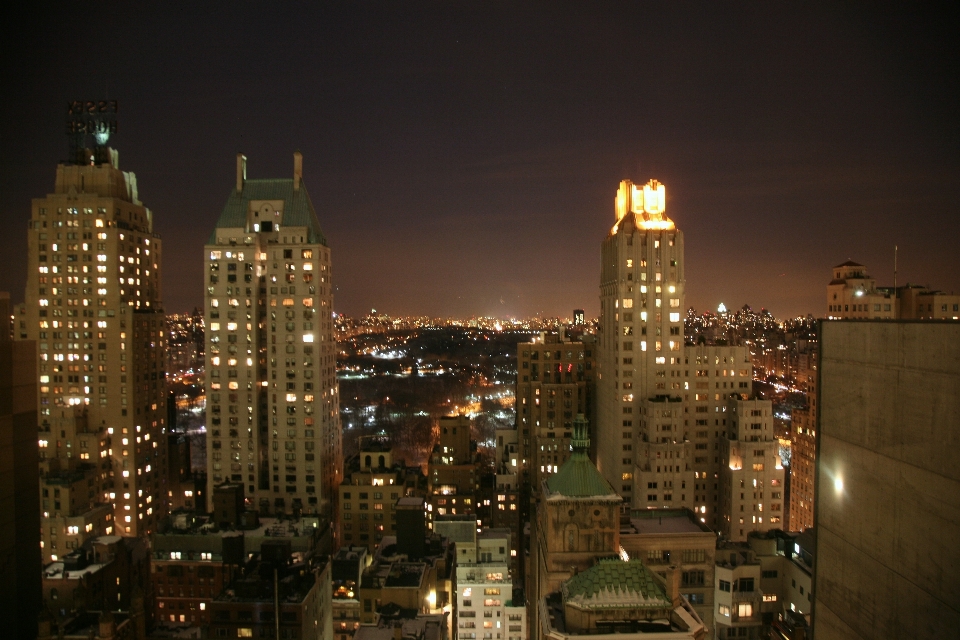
{"x":578,"y":518}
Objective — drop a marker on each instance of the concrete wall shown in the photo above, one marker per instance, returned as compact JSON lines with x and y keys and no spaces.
{"x":888,"y":562}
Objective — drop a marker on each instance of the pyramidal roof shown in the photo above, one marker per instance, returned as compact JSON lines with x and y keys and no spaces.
{"x":298,"y":211}
{"x":615,"y":583}
{"x":578,"y":477}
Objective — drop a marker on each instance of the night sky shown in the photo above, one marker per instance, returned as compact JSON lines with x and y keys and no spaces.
{"x":463,"y":158}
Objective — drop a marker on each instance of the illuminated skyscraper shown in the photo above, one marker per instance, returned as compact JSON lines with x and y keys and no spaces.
{"x":662,"y":406}
{"x":273,"y":421}
{"x":93,"y":305}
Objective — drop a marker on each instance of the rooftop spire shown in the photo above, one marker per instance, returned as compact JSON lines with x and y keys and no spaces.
{"x":241,"y":171}
{"x":578,"y":477}
{"x":297,"y":170}
{"x":581,"y":439}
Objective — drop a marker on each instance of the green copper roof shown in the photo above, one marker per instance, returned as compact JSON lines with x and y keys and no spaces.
{"x":615,"y":583}
{"x":578,"y":477}
{"x":297,"y":209}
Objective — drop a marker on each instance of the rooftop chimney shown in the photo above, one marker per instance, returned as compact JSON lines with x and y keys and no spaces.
{"x":241,"y":170}
{"x":297,"y":169}
{"x":673,"y":585}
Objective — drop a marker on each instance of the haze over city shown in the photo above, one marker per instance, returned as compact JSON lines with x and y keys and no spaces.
{"x":480,"y":321}
{"x":463,"y":160}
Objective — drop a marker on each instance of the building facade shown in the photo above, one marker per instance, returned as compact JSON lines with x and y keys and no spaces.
{"x":370,"y":492}
{"x":106,"y":573}
{"x":921,"y":303}
{"x":888,"y":489}
{"x":485,"y":589}
{"x":453,"y":471}
{"x":276,"y":598}
{"x":852,"y":293}
{"x":752,"y":475}
{"x":273,"y":420}
{"x":803,"y":451}
{"x":665,"y":539}
{"x":72,"y":508}
{"x":93,"y":305}
{"x":19,"y":499}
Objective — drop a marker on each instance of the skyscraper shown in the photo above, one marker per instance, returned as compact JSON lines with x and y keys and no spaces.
{"x":273,"y":421}
{"x":93,"y":305}
{"x":662,"y":406}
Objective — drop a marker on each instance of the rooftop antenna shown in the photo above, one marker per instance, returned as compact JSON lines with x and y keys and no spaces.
{"x":895,"y":267}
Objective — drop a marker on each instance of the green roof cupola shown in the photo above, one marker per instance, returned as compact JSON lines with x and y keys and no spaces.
{"x":578,"y":477}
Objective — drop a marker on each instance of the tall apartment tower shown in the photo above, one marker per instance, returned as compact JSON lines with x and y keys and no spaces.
{"x":273,"y":420}
{"x":661,"y":405}
{"x":93,"y":305}
{"x":554,"y":385}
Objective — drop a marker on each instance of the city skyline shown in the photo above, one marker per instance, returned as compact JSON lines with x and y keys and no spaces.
{"x":462,"y":159}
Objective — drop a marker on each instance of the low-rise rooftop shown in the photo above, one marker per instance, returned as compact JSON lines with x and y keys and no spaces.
{"x":665,"y":521}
